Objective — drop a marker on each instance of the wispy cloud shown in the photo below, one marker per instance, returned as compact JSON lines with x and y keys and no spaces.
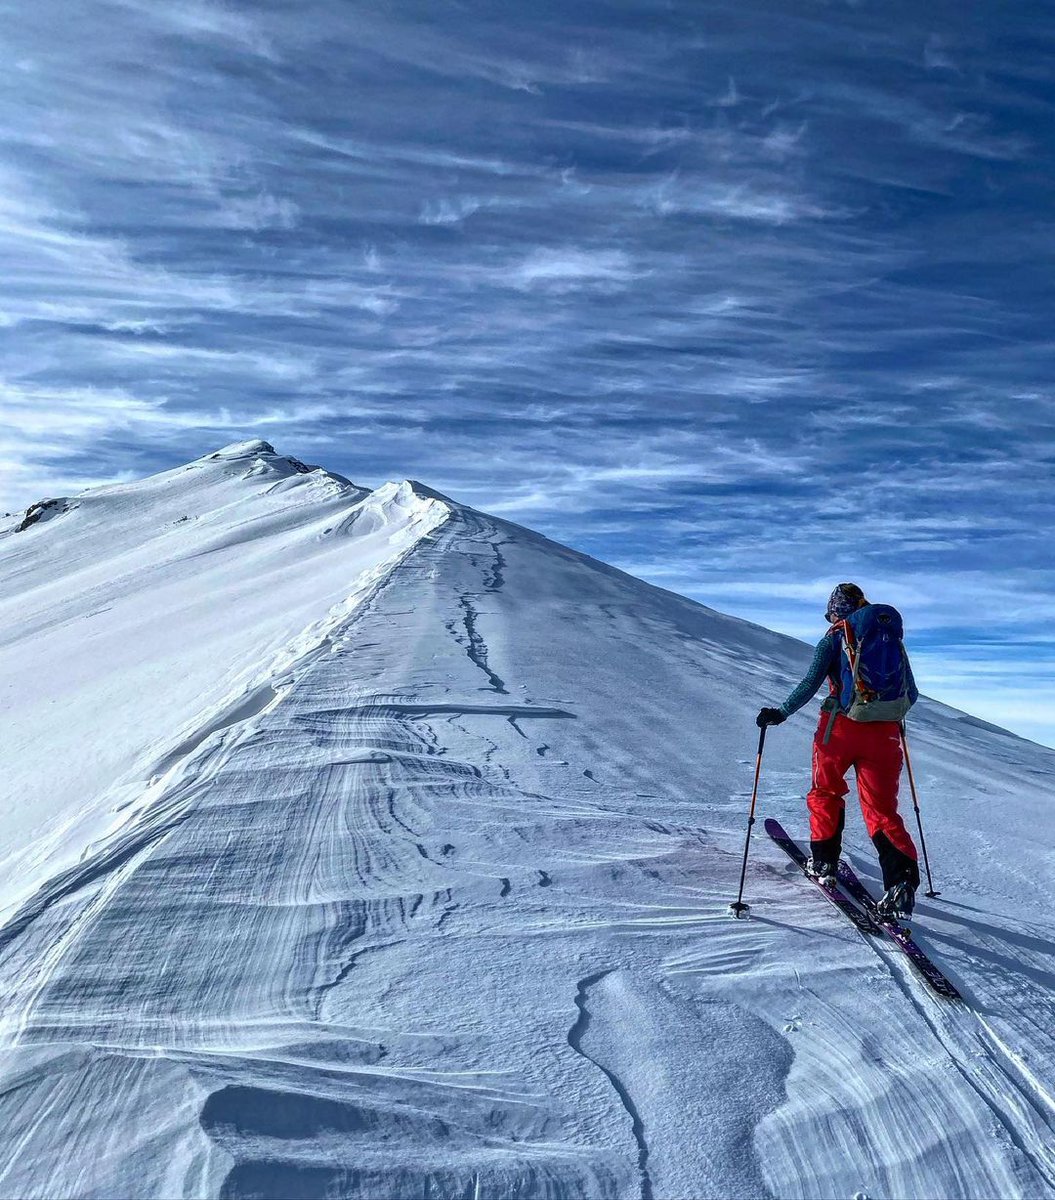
{"x":451,"y":210}
{"x":748,"y":201}
{"x":571,"y":267}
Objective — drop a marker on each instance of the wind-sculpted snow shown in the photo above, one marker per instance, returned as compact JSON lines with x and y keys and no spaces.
{"x":434,"y":905}
{"x":149,"y":617}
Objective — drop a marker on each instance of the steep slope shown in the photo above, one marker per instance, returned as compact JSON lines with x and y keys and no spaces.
{"x":139,"y":619}
{"x":446,"y":914}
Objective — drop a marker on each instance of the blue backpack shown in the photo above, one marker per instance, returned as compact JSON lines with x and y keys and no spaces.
{"x":873,"y":670}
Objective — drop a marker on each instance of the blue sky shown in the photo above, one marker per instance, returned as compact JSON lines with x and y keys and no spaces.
{"x":744,"y":297}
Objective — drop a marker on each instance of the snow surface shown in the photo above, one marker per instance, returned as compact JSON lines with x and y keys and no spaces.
{"x":359,"y":844}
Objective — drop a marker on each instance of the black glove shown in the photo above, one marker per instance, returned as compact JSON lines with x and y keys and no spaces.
{"x":770,"y":716}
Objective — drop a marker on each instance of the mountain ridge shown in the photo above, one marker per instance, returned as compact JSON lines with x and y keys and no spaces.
{"x":262,"y":455}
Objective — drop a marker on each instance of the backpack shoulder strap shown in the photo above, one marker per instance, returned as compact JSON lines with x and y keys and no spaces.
{"x":849,"y":642}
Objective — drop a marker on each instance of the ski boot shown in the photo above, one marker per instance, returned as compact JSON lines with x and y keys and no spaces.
{"x":823,"y":871}
{"x":897,"y":901}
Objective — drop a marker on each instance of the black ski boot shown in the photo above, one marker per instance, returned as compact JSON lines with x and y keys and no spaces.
{"x":898,"y":900}
{"x":825,"y":872}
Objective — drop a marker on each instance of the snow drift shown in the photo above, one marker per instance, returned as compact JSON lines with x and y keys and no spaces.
{"x":358,"y":844}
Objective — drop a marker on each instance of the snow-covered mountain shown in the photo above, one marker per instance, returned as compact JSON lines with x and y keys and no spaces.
{"x":356,"y":843}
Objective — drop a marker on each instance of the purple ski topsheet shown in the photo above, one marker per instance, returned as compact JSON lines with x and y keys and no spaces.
{"x":864,"y":922}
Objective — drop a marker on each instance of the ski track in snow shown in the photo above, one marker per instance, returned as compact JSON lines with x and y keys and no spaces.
{"x":436,"y":905}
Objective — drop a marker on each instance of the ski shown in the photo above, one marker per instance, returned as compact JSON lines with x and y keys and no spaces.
{"x":863,"y":920}
{"x":901,"y":934}
{"x":866,"y":918}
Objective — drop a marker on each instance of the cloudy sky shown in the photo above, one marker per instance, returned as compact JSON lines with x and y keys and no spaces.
{"x":745,"y":296}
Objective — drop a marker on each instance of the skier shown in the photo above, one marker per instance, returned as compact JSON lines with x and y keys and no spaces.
{"x":871,"y":746}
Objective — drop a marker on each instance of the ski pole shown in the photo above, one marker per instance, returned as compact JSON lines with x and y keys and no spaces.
{"x":738,"y":906}
{"x":919,"y":820}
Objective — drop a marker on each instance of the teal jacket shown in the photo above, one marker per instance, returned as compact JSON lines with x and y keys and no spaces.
{"x":825,"y":665}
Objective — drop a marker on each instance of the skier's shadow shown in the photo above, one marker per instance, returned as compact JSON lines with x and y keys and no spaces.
{"x":1035,"y":945}
{"x":974,"y":948}
{"x":803,"y":930}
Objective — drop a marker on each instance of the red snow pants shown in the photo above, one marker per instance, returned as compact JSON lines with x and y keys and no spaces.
{"x":873,"y":749}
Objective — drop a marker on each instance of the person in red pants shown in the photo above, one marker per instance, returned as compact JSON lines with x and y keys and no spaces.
{"x":872,"y":748}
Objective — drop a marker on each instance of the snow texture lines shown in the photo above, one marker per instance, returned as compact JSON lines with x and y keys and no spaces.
{"x":575,"y":1039}
{"x":1020,"y":1109}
